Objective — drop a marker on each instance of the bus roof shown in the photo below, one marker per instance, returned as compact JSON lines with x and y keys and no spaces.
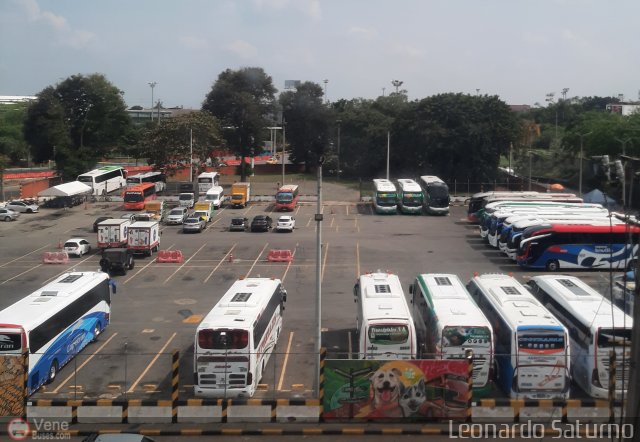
{"x":408,"y":185}
{"x":208,"y":175}
{"x":288,"y":188}
{"x":382,"y":297}
{"x":451,"y":301}
{"x":383,"y":185}
{"x":139,"y":187}
{"x":241,"y":305}
{"x":587,"y":227}
{"x":518,"y":307}
{"x":504,"y":204}
{"x":583,"y":302}
{"x":432,"y":180}
{"x":35,"y":308}
{"x":101,"y":170}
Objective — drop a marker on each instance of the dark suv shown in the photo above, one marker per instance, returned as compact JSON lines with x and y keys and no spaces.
{"x":261,"y":223}
{"x":119,"y":259}
{"x":239,"y":224}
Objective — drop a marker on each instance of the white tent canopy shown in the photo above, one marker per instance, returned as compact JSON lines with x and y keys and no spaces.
{"x":67,"y":189}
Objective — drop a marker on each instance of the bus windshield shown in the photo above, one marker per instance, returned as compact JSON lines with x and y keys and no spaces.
{"x":609,"y":337}
{"x":438,"y":192}
{"x":412,"y":197}
{"x":223,"y":339}
{"x":85,"y":179}
{"x":133,"y":197}
{"x":386,"y":198}
{"x":10,"y":342}
{"x":284,"y":197}
{"x":388,"y":334}
{"x":468,"y":336}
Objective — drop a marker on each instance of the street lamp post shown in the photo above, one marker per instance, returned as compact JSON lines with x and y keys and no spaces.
{"x":318,"y":325}
{"x":284,"y":135}
{"x":388,"y":151}
{"x":326,"y":99}
{"x":580,"y":160}
{"x":624,"y":183}
{"x":152,"y":84}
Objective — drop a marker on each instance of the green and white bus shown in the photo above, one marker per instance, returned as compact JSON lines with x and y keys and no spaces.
{"x":385,"y":198}
{"x":410,"y":197}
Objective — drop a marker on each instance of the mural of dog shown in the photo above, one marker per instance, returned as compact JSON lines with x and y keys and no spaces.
{"x":385,"y":387}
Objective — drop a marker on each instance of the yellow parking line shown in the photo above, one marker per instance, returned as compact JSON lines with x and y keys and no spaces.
{"x":153,"y":361}
{"x":286,"y":360}
{"x":357,"y":259}
{"x":184,"y":264}
{"x":256,"y":260}
{"x":148,"y":264}
{"x":289,"y":264}
{"x":224,"y":258}
{"x":62,"y":384}
{"x":20,"y":274}
{"x":26,"y":254}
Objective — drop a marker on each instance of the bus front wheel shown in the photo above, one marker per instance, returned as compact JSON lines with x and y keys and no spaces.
{"x":53,"y":371}
{"x":96,"y":332}
{"x":553,"y":265}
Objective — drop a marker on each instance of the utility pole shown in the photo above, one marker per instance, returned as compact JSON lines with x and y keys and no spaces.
{"x":318,"y":324}
{"x":152,"y":84}
{"x":388,"y":150}
{"x":580,"y":159}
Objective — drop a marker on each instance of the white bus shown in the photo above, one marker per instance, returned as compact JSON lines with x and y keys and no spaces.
{"x":206,"y":180}
{"x":56,"y":322}
{"x":104,"y":179}
{"x":234,"y":341}
{"x":384,"y":325}
{"x":595,"y":328}
{"x":410,"y":197}
{"x":436,"y":195}
{"x":531,"y":346}
{"x":448,"y":322}
{"x":158,"y":178}
{"x":385,"y":198}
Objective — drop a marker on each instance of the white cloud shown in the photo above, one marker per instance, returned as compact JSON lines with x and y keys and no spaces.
{"x":407,"y":51}
{"x":193,"y":42}
{"x":242,"y":49}
{"x":310,"y":8}
{"x":364,"y":33}
{"x":65,"y":34}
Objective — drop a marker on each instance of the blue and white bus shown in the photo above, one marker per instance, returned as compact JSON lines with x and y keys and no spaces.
{"x":410,"y":197}
{"x":104,"y":179}
{"x":531,"y":347}
{"x":56,"y":322}
{"x":385,"y":198}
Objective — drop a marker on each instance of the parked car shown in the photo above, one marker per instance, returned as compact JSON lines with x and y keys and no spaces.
{"x":286,"y":222}
{"x":193,"y":224}
{"x":176,"y":216}
{"x":119,"y":258}
{"x":261,"y":223}
{"x":272,"y":160}
{"x":77,"y":246}
{"x":22,"y":206}
{"x":239,"y":224}
{"x":98,"y":221}
{"x":8,"y":214}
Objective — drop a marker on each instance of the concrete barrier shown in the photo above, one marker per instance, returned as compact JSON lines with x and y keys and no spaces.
{"x":49,"y":414}
{"x":149,"y":414}
{"x":492,"y":414}
{"x":249,"y":413}
{"x":199,"y":414}
{"x":540,"y":414}
{"x":101,"y":414}
{"x":297,"y":413}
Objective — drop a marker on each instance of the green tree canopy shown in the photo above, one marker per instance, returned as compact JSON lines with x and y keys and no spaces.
{"x":242,"y":101}
{"x":76,"y":122}
{"x":171,"y":142}
{"x":308,"y":120}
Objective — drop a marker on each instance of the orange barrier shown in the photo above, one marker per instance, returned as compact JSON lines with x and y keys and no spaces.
{"x":55,"y":258}
{"x":280,"y":256}
{"x":170,"y":256}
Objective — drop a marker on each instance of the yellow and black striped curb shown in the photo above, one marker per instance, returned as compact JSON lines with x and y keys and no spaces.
{"x":166,"y":402}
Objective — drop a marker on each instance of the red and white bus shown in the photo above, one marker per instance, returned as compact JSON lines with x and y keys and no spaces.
{"x":136,"y":196}
{"x":287,"y":197}
{"x":235,"y":339}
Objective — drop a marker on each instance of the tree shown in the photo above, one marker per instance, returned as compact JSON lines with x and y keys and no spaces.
{"x":12,"y":143}
{"x":169,"y":144}
{"x":76,"y":122}
{"x":308,"y":121}
{"x":242,"y":100}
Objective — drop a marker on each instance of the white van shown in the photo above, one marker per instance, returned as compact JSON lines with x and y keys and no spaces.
{"x":187,"y":199}
{"x":215,"y":194}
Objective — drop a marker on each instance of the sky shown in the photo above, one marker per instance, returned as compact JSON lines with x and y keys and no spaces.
{"x":518,"y":50}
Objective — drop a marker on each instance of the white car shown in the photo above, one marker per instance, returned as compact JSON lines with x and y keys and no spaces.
{"x":286,"y":222}
{"x":77,"y":246}
{"x":176,"y":216}
{"x":22,"y":206}
{"x":8,"y":214}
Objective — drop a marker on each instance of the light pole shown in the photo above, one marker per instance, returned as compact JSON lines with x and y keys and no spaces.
{"x":318,"y":218}
{"x":551,"y":101}
{"x":284,"y":135}
{"x":326,"y":99}
{"x":152,"y":84}
{"x":580,"y":159}
{"x":388,"y":151}
{"x":624,"y":154}
{"x":397,"y":84}
{"x":338,"y":171}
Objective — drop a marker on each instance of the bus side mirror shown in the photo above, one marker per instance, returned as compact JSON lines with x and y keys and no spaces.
{"x":411,"y":289}
{"x":284,"y":296}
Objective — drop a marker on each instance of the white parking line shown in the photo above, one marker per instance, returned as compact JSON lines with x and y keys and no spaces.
{"x":224,"y":258}
{"x":27,"y":254}
{"x":20,"y":274}
{"x":184,"y":263}
{"x":148,"y":264}
{"x":256,"y":260}
{"x":289,"y":264}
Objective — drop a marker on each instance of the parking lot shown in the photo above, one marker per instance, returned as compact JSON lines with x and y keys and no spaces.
{"x":158,"y":306}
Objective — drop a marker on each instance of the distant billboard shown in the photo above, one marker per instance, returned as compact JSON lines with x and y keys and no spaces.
{"x":291,"y":84}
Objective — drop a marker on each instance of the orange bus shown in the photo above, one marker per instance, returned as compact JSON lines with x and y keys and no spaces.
{"x":136,"y":196}
{"x":287,"y":197}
